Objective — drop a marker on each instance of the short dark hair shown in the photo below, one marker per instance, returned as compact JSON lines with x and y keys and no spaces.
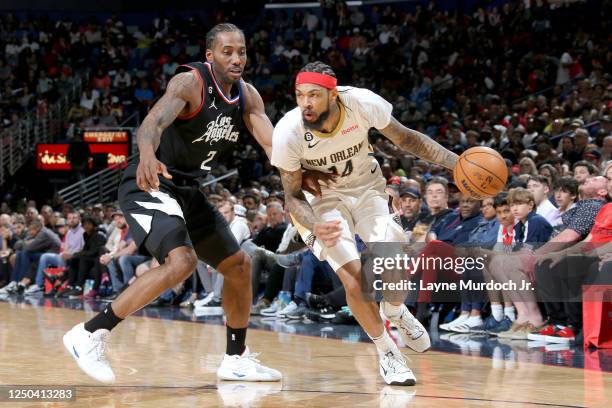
{"x":211,"y":36}
{"x":438,"y":180}
{"x":540,"y":179}
{"x":35,"y":223}
{"x":318,"y":67}
{"x":590,"y":167}
{"x":89,"y":219}
{"x":501,"y":199}
{"x":567,"y":184}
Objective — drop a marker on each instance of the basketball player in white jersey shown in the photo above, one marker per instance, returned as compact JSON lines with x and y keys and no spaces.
{"x":328,"y":131}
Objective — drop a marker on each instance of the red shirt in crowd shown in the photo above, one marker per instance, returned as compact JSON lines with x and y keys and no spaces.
{"x":602,"y":229}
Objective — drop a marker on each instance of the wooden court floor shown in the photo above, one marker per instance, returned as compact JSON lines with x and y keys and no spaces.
{"x":163,"y":363}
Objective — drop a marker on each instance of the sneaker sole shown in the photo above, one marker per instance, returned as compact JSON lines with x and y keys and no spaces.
{"x":558,"y":340}
{"x":407,"y":382}
{"x":268,"y":314}
{"x":208,"y":311}
{"x":536,"y":337}
{"x":232,"y":377}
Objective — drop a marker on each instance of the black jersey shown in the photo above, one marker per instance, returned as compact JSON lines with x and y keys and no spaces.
{"x":191,"y":146}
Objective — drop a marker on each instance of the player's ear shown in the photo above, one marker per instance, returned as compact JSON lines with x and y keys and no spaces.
{"x":209,"y":55}
{"x":333,"y":94}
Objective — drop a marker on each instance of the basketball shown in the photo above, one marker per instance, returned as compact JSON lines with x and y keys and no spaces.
{"x":480,"y":172}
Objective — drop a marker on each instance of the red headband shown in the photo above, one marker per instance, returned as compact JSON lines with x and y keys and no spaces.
{"x":326,"y":81}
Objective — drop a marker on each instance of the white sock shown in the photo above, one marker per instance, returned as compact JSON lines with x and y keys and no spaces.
{"x":510,"y":313}
{"x":498,"y":312}
{"x":384,"y":343}
{"x":391,"y":311}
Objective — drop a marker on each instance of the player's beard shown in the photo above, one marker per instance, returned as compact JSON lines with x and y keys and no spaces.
{"x":318,"y":123}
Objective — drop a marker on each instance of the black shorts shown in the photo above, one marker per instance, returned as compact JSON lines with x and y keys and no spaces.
{"x":174,"y":217}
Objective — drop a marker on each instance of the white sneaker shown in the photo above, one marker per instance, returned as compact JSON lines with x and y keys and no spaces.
{"x":89,"y":351}
{"x":246,"y":367}
{"x":394,"y":370}
{"x":272,"y":309}
{"x":467,"y":325}
{"x":206,"y":300}
{"x":462,"y":318}
{"x":412,"y":332}
{"x":33,"y":290}
{"x":10,"y":288}
{"x":290,"y":308}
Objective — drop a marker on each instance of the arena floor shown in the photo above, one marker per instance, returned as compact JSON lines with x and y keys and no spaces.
{"x":166,"y":357}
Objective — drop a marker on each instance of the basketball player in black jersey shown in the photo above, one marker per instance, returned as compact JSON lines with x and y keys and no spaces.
{"x":197,"y":119}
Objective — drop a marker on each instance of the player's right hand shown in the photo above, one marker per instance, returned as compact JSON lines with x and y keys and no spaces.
{"x":312,"y":179}
{"x":147,"y":172}
{"x":329,"y":232}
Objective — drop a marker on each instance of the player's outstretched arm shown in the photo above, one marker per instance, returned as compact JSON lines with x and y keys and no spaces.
{"x":329,"y":232}
{"x":419,"y":144}
{"x":256,"y":120}
{"x":178,"y":94}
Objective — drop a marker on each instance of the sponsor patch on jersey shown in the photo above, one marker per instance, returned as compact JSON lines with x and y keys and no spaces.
{"x":308,"y":136}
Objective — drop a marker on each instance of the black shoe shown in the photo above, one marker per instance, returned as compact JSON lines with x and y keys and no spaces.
{"x":20,"y":289}
{"x":159,"y":302}
{"x":213,"y":303}
{"x":325,"y":314}
{"x":316,"y":302}
{"x":344,"y":316}
{"x":50,"y":293}
{"x":75,"y":293}
{"x":110,"y":297}
{"x":64,"y":293}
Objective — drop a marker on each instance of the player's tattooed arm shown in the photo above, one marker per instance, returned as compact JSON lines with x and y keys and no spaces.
{"x":297,"y":204}
{"x":328,"y":232}
{"x":419,"y":144}
{"x":180,"y":95}
{"x":257,"y":121}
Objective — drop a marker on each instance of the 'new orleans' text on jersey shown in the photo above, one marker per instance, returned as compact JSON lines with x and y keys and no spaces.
{"x":345,"y":150}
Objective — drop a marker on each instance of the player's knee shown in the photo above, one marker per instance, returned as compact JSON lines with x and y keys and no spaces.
{"x":237,"y":266}
{"x":182,"y":265}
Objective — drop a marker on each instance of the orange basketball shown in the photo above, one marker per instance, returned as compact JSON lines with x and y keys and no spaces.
{"x":480,"y":172}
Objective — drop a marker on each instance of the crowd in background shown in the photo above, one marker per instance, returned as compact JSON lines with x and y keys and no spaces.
{"x":532,"y":82}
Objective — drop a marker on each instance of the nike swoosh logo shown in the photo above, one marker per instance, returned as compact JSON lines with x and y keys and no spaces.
{"x":383,"y":368}
{"x":75,"y":352}
{"x":238,"y":375}
{"x":310,"y":146}
{"x":374,"y":169}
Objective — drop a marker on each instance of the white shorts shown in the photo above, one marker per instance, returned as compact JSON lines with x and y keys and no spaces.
{"x":363,"y":211}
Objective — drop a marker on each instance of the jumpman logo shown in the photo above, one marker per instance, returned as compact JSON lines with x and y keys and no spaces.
{"x":212,"y":105}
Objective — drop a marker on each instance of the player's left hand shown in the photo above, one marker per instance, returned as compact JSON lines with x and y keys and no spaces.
{"x":311,"y":180}
{"x":329,"y":232}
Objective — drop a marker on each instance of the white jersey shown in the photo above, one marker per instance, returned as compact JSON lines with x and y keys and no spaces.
{"x":345,"y":150}
{"x":240,"y":229}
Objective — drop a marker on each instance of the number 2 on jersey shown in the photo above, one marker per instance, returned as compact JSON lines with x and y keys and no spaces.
{"x":211,"y":155}
{"x":347,"y":170}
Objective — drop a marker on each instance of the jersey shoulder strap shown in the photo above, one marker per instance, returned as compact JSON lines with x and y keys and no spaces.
{"x":198,"y":68}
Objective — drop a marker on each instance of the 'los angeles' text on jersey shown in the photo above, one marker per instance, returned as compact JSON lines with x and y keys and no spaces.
{"x":193,"y":144}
